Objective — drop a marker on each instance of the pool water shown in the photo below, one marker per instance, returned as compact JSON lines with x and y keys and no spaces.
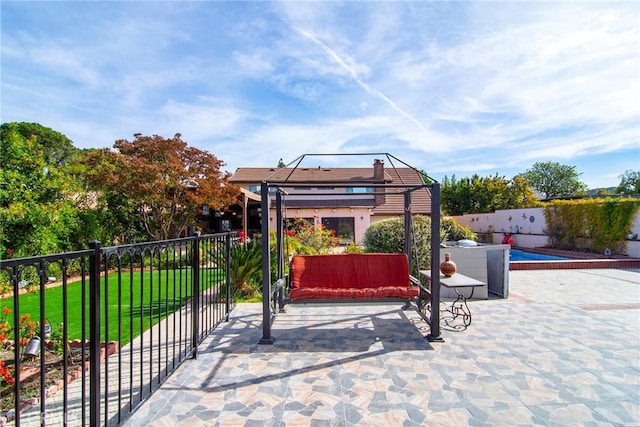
{"x":518,"y":255}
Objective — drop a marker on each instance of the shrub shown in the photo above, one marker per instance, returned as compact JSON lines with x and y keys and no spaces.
{"x":57,"y":339}
{"x":452,"y":231}
{"x":352,"y":248}
{"x":387,"y":236}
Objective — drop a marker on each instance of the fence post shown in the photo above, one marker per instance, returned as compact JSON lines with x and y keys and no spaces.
{"x":228,"y":278}
{"x":94,"y":333}
{"x":195,"y":294}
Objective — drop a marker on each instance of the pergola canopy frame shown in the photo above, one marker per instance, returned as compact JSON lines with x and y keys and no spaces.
{"x":283,"y":187}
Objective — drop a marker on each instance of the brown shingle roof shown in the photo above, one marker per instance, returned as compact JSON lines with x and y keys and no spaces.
{"x":304,"y":175}
{"x":394,"y":203}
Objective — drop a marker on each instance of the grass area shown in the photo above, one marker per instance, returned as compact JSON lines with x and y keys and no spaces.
{"x":132,"y":304}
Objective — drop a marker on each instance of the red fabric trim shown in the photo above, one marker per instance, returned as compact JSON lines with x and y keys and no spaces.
{"x":347,"y":293}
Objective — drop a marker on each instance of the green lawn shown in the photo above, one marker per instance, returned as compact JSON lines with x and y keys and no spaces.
{"x":146,"y":298}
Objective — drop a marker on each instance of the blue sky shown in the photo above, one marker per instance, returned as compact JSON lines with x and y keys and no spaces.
{"x":449,"y":87}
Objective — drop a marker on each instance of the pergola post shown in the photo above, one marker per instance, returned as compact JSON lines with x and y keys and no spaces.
{"x":279,"y":235}
{"x":407,"y":225}
{"x":266,"y":266}
{"x":434,"y":333}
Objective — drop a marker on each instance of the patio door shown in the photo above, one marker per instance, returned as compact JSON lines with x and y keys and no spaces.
{"x":344,"y":228}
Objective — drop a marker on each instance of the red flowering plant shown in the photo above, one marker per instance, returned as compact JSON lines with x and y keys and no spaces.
{"x":310,"y":238}
{"x":27,"y":328}
{"x":5,"y":326}
{"x":508,"y":239}
{"x":6,"y":374}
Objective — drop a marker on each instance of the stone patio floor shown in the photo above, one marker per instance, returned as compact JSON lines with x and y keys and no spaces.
{"x":562,"y":350}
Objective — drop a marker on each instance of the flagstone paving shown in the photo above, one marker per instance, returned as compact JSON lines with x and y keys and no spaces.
{"x":562,"y":350}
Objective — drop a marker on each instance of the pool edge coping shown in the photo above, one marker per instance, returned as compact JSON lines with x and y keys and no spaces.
{"x":574,"y":264}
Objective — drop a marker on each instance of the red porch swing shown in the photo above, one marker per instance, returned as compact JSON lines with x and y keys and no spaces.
{"x":347,"y":276}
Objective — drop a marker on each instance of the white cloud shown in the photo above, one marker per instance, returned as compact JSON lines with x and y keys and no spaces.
{"x":464,"y":86}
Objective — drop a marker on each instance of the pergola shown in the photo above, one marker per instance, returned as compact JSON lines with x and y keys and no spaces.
{"x":273,"y":301}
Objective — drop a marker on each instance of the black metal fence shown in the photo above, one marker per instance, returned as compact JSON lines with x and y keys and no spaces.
{"x":87,"y":336}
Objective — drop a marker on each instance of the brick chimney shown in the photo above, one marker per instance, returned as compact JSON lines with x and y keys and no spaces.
{"x":378,"y":176}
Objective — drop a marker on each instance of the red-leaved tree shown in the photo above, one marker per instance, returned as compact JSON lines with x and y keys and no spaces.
{"x":167,"y":181}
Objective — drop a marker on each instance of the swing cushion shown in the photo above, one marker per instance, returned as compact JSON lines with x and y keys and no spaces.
{"x":345,"y":276}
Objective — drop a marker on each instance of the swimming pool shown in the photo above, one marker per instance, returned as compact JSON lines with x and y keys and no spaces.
{"x":519,"y":255}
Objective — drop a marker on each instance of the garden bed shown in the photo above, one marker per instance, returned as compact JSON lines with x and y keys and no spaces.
{"x":53,"y":377}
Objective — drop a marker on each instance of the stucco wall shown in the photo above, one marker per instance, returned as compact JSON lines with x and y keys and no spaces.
{"x":527,"y":226}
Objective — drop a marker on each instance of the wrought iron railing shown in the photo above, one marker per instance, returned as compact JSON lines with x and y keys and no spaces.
{"x":109,"y":326}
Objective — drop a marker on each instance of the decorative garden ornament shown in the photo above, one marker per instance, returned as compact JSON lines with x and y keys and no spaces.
{"x":33,"y":347}
{"x":448,"y":267}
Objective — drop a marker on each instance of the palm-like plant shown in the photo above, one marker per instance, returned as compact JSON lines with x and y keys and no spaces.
{"x":246,"y":269}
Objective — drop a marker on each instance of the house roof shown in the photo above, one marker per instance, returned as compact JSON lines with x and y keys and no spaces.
{"x":394,"y":203}
{"x":305,"y":175}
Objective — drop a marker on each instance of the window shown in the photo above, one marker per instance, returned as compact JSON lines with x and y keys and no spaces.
{"x":359,"y":190}
{"x":258,"y":188}
{"x":344,"y":228}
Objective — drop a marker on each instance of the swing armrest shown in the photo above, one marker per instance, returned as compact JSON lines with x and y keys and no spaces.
{"x":277,"y":293}
{"x":416,"y":282}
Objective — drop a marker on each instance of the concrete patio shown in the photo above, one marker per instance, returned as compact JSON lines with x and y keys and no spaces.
{"x":564,"y":349}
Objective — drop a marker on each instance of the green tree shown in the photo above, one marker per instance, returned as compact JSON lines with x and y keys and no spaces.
{"x":56,"y":147}
{"x":629,"y":183}
{"x":115,"y":215}
{"x":601,"y":192}
{"x":520,"y":195}
{"x":37,"y":199}
{"x":455,"y":196}
{"x":425,"y":176}
{"x":555,"y":180}
{"x":484,"y":194}
{"x":166,"y":181}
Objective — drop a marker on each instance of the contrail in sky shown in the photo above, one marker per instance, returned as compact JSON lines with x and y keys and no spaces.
{"x":357,"y":79}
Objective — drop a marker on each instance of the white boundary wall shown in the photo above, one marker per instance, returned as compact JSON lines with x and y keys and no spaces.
{"x":528,"y":228}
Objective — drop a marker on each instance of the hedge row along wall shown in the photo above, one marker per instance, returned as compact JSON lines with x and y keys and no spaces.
{"x":590,"y":225}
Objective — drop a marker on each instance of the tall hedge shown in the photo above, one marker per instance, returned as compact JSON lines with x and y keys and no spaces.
{"x":592,"y":225}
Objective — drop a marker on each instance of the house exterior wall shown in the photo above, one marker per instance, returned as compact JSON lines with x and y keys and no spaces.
{"x":361,"y":217}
